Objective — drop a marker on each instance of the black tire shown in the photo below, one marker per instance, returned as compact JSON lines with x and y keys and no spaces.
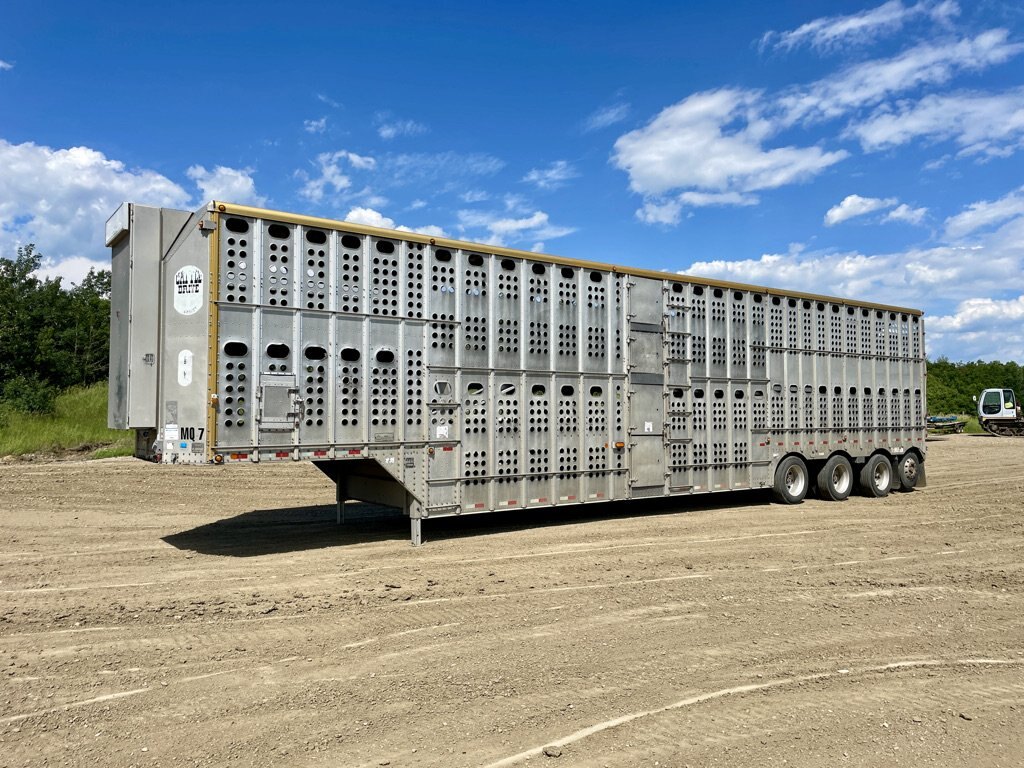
{"x":835,"y":479}
{"x":791,"y":481}
{"x":907,"y":467}
{"x":876,"y":477}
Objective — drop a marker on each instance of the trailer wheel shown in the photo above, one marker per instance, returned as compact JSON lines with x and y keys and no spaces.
{"x":791,"y":481}
{"x":906,"y":470}
{"x":876,"y":477}
{"x":835,"y":480}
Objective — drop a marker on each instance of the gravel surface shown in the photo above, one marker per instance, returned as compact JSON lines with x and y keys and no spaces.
{"x":164,"y":616}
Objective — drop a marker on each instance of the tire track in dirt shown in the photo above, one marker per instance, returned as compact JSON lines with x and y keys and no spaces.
{"x":736,"y":690}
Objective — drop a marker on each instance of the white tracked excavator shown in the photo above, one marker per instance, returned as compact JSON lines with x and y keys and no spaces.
{"x":999,"y":412}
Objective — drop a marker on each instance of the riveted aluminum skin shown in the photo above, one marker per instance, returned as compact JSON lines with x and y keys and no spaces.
{"x":451,"y":378}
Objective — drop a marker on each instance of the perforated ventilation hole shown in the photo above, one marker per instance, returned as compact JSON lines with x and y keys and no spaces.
{"x":278,"y":351}
{"x":443,"y":255}
{"x":384,"y":246}
{"x":698,"y":394}
{"x":538,"y":269}
{"x":236,"y":349}
{"x":739,"y":394}
{"x":280,"y":231}
{"x":349,"y":354}
{"x":351,"y":242}
{"x":316,"y":237}
{"x":314,"y":353}
{"x":237,"y":225}
{"x":507,"y":389}
{"x":385,"y":356}
{"x":538,"y":390}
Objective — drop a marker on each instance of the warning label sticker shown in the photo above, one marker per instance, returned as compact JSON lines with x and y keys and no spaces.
{"x":188,"y":290}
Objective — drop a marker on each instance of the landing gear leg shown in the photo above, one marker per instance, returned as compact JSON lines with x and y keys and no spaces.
{"x":340,"y":497}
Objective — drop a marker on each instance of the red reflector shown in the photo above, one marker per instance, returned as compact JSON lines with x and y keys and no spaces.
{"x":542,"y":499}
{"x":447,"y":448}
{"x":354,"y":451}
{"x":282,"y":454}
{"x":239,"y":455}
{"x":513,"y":501}
{"x":319,"y":453}
{"x":572,"y":498}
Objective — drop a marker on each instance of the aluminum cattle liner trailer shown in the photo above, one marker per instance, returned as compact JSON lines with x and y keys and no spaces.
{"x":446,"y":378}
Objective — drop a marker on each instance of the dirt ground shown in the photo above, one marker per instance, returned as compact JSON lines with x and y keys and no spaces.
{"x":169,"y":616}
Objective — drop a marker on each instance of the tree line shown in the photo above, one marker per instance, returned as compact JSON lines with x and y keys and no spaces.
{"x":53,"y":337}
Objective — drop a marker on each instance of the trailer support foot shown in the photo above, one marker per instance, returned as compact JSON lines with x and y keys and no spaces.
{"x":340,"y":497}
{"x":417,"y":531}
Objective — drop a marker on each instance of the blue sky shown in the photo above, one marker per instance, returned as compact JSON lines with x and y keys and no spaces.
{"x":861,"y":149}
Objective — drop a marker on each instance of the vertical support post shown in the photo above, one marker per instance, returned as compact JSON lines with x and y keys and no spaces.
{"x":413,"y":510}
{"x":340,"y":497}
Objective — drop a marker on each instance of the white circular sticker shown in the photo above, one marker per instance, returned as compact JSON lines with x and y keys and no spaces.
{"x":188,"y":290}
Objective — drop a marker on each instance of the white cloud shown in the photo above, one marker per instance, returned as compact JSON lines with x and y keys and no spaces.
{"x":605,"y":116}
{"x":982,"y":311}
{"x":870,"y":82}
{"x":661,"y":212}
{"x":315,"y":126}
{"x":554,"y":176}
{"x":374,"y":218}
{"x":5,"y":66}
{"x":233,"y":185}
{"x":713,"y":141}
{"x":60,"y":199}
{"x":855,"y":205}
{"x":986,"y":214}
{"x":389,"y":129}
{"x":832,"y":32}
{"x":327,"y":100}
{"x":669,"y":211}
{"x":415,"y":205}
{"x":474,"y":196}
{"x":332,"y":178}
{"x":370,"y":218}
{"x":505,"y":230}
{"x":980,"y":329}
{"x":703,"y":199}
{"x":720,"y":142}
{"x":905,"y":213}
{"x":982,"y":124}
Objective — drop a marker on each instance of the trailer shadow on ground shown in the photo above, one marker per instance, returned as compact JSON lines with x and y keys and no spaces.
{"x":295,"y":529}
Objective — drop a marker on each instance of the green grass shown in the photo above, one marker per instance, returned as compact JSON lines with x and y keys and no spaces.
{"x":77,"y":425}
